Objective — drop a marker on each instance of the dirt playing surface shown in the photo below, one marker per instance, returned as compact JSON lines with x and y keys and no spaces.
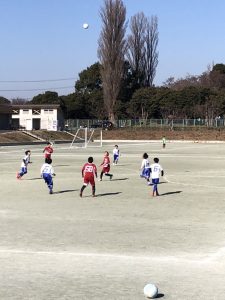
{"x":63,"y":247}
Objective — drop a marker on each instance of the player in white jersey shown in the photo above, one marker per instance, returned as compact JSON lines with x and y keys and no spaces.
{"x":25,"y":162}
{"x":47,"y":172}
{"x":145,"y":168}
{"x":156,"y":171}
{"x":116,"y":154}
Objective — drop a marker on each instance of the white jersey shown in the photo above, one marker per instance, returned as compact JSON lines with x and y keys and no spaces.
{"x":47,"y":169}
{"x":25,"y":161}
{"x":155,"y":170}
{"x":145,"y":164}
{"x":116,"y":151}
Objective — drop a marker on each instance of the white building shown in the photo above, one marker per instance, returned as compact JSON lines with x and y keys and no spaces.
{"x":37,"y":116}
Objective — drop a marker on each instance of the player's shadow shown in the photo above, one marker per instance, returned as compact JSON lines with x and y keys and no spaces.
{"x":108,"y":194}
{"x":160,"y":295}
{"x":120,"y":179}
{"x":170,"y":193}
{"x":36,"y":178}
{"x":65,"y":191}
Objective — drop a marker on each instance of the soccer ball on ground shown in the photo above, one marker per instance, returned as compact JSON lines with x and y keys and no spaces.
{"x":150,"y":291}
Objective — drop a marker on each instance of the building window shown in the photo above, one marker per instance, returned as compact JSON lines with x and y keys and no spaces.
{"x":48,"y":111}
{"x":25,"y":111}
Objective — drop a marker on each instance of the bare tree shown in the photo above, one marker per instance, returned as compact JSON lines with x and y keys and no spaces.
{"x":151,"y":53}
{"x":111,"y":52}
{"x":19,"y":101}
{"x":136,"y":47}
{"x":142,"y":51}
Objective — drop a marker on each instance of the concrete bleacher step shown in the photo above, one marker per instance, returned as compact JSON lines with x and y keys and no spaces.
{"x":33,"y":135}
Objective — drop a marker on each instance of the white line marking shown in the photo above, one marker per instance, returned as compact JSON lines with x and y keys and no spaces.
{"x":106,"y":255}
{"x":192,"y":184}
{"x":191,"y":258}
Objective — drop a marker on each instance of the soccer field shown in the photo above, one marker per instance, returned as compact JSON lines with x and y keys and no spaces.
{"x":62,"y":246}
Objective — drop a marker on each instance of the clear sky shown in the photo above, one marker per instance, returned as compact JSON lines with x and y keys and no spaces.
{"x":44,"y":40}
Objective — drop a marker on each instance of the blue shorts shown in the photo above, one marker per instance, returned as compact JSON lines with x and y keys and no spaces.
{"x":145,"y":173}
{"x":23,"y":171}
{"x":155,"y":180}
{"x":48,"y":179}
{"x":115,"y":157}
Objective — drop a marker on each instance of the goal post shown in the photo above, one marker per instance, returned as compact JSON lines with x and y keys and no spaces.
{"x":87,"y":137}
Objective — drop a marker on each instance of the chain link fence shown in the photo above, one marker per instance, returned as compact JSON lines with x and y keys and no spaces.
{"x":72,"y":124}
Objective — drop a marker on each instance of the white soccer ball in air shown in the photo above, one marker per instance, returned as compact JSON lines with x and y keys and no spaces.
{"x":150,"y":291}
{"x":85,"y":25}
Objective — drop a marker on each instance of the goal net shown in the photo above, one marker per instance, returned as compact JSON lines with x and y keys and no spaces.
{"x":87,"y":137}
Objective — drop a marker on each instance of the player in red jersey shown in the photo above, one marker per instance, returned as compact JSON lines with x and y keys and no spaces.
{"x":106,"y":166}
{"x":48,"y":150}
{"x":89,"y":171}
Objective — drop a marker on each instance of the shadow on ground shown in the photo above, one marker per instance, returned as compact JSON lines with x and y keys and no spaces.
{"x":108,"y":194}
{"x":170,"y":193}
{"x":160,"y":295}
{"x":120,"y":179}
{"x":65,"y":191}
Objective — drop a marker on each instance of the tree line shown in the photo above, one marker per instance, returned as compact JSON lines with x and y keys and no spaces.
{"x":191,"y":97}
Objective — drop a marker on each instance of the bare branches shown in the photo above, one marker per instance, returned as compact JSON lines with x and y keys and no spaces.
{"x":136,"y":46}
{"x":151,"y":53}
{"x":142,"y":51}
{"x":111,"y":51}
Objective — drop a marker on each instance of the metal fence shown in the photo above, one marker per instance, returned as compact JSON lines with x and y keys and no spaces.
{"x":163,"y":123}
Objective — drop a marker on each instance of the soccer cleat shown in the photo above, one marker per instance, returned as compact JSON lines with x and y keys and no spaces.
{"x":111,"y":176}
{"x":93,"y":195}
{"x":81,"y":194}
{"x":50,"y":192}
{"x":100,"y":179}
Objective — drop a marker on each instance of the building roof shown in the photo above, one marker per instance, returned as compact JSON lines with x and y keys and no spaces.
{"x":35,"y":106}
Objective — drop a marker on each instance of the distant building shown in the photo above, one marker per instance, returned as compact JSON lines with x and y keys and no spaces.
{"x":5,"y":116}
{"x":37,"y":116}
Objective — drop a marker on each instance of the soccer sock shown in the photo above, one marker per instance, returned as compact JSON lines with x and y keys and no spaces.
{"x":101,"y":175}
{"x":93,"y":190}
{"x":82,"y":189}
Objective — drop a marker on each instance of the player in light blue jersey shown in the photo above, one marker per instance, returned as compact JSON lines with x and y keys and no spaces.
{"x":25,"y":162}
{"x":156,"y":171}
{"x":46,"y":173}
{"x":145,"y":168}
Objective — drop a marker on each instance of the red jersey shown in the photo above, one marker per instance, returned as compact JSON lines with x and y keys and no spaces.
{"x":48,"y":150}
{"x":106,"y":164}
{"x":89,"y":171}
